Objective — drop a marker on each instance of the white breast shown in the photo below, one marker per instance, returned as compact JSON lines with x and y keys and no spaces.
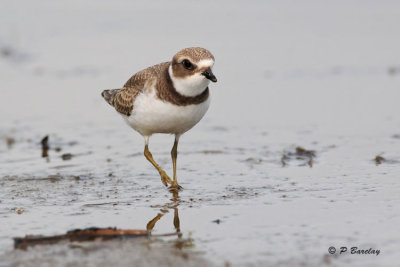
{"x":189,"y":86}
{"x":152,"y":115}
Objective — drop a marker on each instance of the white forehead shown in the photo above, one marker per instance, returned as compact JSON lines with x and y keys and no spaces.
{"x":205,"y":63}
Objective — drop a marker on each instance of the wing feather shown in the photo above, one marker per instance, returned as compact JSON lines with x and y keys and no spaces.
{"x":123,"y":99}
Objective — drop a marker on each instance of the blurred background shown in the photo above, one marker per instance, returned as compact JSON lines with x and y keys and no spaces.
{"x":331,"y":63}
{"x":322,"y":75}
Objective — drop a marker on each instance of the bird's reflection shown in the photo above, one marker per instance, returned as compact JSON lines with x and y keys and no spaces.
{"x":173,"y":204}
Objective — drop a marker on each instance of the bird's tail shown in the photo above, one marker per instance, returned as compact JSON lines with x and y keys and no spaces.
{"x":109,"y":95}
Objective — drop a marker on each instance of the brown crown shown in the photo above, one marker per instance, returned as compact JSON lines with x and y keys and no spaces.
{"x":194,"y":53}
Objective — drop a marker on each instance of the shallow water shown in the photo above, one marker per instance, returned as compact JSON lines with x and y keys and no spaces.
{"x":240,"y":204}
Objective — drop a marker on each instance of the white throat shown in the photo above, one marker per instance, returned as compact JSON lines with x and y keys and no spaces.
{"x":189,"y":86}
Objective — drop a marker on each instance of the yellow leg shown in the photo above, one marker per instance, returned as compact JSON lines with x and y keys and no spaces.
{"x":164,"y":177}
{"x":177,"y":223}
{"x":173,"y":205}
{"x":150,"y":225}
{"x":174,"y":155}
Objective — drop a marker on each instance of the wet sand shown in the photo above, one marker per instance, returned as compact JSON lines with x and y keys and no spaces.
{"x":303,"y":85}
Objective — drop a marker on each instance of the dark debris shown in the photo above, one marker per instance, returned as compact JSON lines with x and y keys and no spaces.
{"x":380,"y":160}
{"x":45,"y":146}
{"x":88,"y":234}
{"x":66,"y":156}
{"x":301,"y":154}
{"x":10,"y":142}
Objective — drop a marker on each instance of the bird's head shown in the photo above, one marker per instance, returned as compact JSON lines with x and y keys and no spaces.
{"x":191,"y":70}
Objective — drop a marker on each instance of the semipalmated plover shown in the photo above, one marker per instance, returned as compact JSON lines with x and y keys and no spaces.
{"x":170,"y":97}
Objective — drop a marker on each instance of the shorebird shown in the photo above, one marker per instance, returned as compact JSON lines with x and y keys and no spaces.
{"x":169,"y":98}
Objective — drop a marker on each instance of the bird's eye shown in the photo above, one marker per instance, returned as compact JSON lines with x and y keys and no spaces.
{"x":187,"y":64}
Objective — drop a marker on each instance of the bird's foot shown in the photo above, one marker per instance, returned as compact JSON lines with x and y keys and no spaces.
{"x":175,"y":187}
{"x":165,"y":178}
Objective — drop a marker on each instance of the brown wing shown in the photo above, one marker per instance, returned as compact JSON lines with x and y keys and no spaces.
{"x":122,"y":99}
{"x":140,"y":78}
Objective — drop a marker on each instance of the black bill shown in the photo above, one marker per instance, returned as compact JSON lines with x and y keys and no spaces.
{"x":209,"y":75}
